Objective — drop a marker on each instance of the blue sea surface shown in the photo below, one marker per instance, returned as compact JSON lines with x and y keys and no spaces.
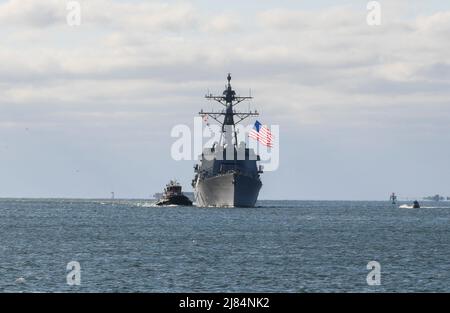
{"x":280,"y":246}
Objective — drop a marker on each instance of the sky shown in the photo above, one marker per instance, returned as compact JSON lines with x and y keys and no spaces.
{"x":363,"y":110}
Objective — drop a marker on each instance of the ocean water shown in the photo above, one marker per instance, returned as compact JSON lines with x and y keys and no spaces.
{"x":280,"y":246}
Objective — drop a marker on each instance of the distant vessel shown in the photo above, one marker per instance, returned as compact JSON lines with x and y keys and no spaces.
{"x":227,"y":174}
{"x":173,"y":195}
{"x":434,"y":198}
{"x":416,"y":205}
{"x":393,"y":198}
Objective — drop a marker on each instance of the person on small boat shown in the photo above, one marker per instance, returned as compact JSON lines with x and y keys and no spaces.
{"x":416,"y":205}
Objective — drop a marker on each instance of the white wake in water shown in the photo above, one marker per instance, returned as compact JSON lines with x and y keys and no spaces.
{"x":146,"y":204}
{"x":154,"y":205}
{"x":406,"y":206}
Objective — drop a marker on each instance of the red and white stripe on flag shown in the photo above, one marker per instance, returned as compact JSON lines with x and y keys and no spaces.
{"x":264,"y":136}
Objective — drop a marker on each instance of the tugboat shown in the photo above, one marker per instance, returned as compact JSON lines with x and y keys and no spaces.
{"x":173,"y":195}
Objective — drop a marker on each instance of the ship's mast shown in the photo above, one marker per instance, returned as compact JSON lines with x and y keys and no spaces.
{"x":229,"y":99}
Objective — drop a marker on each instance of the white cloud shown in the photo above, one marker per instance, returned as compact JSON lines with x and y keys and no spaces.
{"x":224,"y":23}
{"x":31,"y":13}
{"x":328,"y":58}
{"x":438,"y":23}
{"x":148,"y":16}
{"x":300,"y":20}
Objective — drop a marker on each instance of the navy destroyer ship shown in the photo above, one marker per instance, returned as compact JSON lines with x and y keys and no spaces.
{"x":227,"y":174}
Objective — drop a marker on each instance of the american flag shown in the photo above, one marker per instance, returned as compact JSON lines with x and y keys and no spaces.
{"x":262,"y":134}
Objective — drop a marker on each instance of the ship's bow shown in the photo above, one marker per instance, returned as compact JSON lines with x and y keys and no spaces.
{"x":228,"y":190}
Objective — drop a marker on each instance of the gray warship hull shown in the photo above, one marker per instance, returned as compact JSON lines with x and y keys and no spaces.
{"x":227,"y":190}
